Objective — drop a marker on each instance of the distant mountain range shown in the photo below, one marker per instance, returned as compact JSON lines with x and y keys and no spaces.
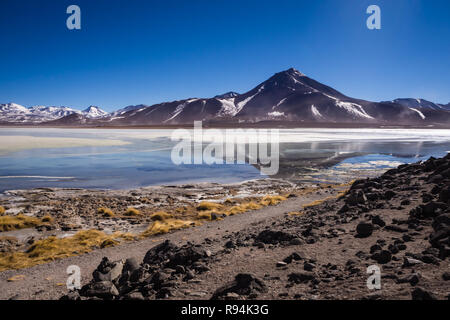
{"x":14,"y":113}
{"x":287,"y":97}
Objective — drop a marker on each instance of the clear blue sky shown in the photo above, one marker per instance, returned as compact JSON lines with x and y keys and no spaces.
{"x":132,"y":52}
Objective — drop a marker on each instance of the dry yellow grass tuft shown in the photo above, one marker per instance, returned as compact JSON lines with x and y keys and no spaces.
{"x":109,"y":243}
{"x":49,"y":249}
{"x":132,"y":212}
{"x":243,"y":207}
{"x":205,"y":215}
{"x":296,"y":213}
{"x":272,"y":200}
{"x":47,"y":218}
{"x":160,"y":216}
{"x":161,"y":227}
{"x":205,"y":205}
{"x":20,"y":221}
{"x":106,"y":212}
{"x":314,"y":203}
{"x":18,"y":277}
{"x":2,"y":211}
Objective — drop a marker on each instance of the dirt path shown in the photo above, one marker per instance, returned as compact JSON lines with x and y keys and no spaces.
{"x":48,"y":281}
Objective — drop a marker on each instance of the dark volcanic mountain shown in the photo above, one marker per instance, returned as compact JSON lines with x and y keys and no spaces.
{"x":421,"y":104}
{"x":286,"y":97}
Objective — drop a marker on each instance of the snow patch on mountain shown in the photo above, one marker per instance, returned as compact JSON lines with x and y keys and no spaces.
{"x":276,"y":114}
{"x":228,"y":107}
{"x":279,"y":103}
{"x":352,"y":108}
{"x":420,"y":113}
{"x":316,"y":112}
{"x":242,"y":104}
{"x":180,"y":109}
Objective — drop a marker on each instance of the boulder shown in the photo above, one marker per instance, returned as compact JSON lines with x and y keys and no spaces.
{"x":421,"y":294}
{"x":243,"y":284}
{"x":364,"y":229}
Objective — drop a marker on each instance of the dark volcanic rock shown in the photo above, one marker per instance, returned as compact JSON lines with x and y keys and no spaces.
{"x":421,"y":294}
{"x":301,"y":277}
{"x":295,"y":256}
{"x":243,"y":284}
{"x":383,"y":256}
{"x":160,"y":253}
{"x":274,"y":237}
{"x":364,"y":229}
{"x":378,"y":221}
{"x":102,"y":289}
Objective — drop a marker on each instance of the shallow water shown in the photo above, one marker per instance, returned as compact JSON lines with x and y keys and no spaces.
{"x":145,"y":160}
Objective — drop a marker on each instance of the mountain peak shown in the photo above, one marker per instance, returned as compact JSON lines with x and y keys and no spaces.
{"x":94,"y":112}
{"x":294,"y":72}
{"x":227,"y":95}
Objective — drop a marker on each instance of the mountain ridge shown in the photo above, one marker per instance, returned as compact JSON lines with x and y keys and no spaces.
{"x":287,"y":96}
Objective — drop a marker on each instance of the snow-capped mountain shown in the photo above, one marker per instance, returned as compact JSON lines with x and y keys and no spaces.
{"x":287,"y":97}
{"x":10,"y":112}
{"x":51,"y":112}
{"x":419,"y":103}
{"x":15,"y":113}
{"x":129,"y":108}
{"x":94,"y":112}
{"x":227,"y":95}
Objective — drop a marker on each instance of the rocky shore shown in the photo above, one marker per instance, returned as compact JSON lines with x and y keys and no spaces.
{"x":398,"y":222}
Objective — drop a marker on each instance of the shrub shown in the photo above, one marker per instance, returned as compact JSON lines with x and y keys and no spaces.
{"x":204,"y":215}
{"x":205,"y":205}
{"x":131,"y":212}
{"x":2,"y":211}
{"x":109,"y":243}
{"x":160,"y":216}
{"x":9,"y":223}
{"x":51,"y":248}
{"x":296,"y":213}
{"x":243,"y":207}
{"x":161,"y":227}
{"x":272,"y":200}
{"x":47,"y":219}
{"x":105,"y":212}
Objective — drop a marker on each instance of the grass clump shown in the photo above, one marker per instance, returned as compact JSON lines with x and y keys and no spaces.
{"x":243,"y":207}
{"x":132,"y":212}
{"x":272,"y":200}
{"x":47,"y":218}
{"x":106,"y":212}
{"x":49,"y":249}
{"x":160,"y":216}
{"x":205,"y":215}
{"x":295,"y":213}
{"x":2,"y":211}
{"x":20,"y":221}
{"x":161,"y":227}
{"x":207,"y":206}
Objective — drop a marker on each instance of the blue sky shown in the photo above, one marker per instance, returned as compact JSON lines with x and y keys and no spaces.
{"x":132,"y":52}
